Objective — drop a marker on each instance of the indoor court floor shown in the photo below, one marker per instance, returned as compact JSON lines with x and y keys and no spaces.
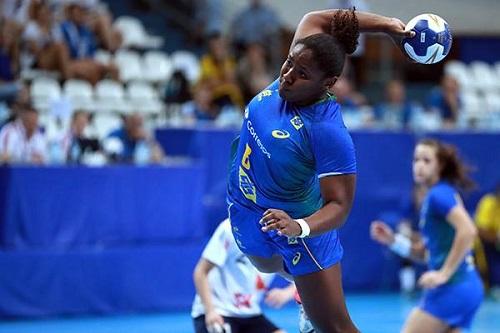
{"x":373,"y":313}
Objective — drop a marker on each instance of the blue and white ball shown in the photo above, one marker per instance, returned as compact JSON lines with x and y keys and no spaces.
{"x":432,"y":41}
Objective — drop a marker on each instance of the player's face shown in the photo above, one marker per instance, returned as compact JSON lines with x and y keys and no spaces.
{"x":301,"y":81}
{"x":425,"y":165}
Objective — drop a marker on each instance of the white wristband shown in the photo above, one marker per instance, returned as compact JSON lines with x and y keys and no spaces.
{"x":401,"y":246}
{"x":306,"y":230}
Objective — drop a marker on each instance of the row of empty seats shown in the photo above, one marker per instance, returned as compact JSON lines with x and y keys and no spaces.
{"x":478,"y":75}
{"x":107,"y":95}
{"x":152,"y":66}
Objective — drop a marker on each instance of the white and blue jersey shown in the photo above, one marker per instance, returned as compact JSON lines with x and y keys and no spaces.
{"x":283,"y":152}
{"x":457,"y":301}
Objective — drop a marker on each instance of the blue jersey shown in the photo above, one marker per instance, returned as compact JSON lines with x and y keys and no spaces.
{"x":438,"y":234}
{"x":283,"y":152}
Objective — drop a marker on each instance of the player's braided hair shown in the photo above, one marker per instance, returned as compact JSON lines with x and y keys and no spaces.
{"x":329,"y":50}
{"x":453,"y":169}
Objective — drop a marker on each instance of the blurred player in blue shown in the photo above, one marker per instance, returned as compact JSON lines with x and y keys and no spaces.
{"x":292,"y":179}
{"x":453,"y":290}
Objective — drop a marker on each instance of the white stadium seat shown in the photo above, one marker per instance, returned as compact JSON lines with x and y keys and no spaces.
{"x":44,"y":91}
{"x":460,"y":71}
{"x":188,"y":63}
{"x":157,"y":66}
{"x":104,"y":123}
{"x":483,"y":75}
{"x":134,"y":34}
{"x":129,"y":65}
{"x":80,"y":94}
{"x":110,"y":96}
{"x":144,"y":98}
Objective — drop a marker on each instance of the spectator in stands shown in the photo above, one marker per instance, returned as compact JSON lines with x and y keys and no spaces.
{"x":395,"y":111}
{"x":258,"y":23}
{"x":76,"y":143}
{"x":134,"y":144}
{"x":229,"y":289}
{"x":488,"y":224}
{"x":252,"y":72}
{"x":446,"y":100}
{"x":353,"y":103}
{"x":9,"y":56}
{"x":81,"y":43}
{"x":43,"y":47}
{"x":22,"y":141}
{"x":201,"y":108}
{"x":208,"y":17}
{"x":101,"y":23}
{"x":218,"y":72}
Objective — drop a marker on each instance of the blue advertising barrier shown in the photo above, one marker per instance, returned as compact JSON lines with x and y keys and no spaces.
{"x":122,"y":238}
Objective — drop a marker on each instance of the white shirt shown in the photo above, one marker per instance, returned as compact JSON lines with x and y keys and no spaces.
{"x":236,"y":285}
{"x":18,"y":148}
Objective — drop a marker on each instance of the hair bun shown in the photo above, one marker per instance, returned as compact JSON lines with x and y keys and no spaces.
{"x":345,"y":28}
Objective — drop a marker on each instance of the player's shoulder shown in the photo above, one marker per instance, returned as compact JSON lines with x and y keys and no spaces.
{"x":327,"y":110}
{"x":442,"y":190}
{"x":267,"y":95}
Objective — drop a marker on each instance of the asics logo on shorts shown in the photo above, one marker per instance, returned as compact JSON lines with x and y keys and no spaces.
{"x":296,"y":258}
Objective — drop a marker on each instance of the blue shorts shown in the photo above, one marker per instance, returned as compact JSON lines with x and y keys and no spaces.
{"x":455,"y":303}
{"x":300,"y":255}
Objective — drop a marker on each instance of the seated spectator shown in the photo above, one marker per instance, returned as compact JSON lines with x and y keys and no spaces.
{"x":82,"y":46}
{"x":218,"y":72}
{"x":75,"y":143}
{"x":201,"y":108}
{"x":43,"y":47}
{"x":101,"y":23}
{"x":9,"y":53}
{"x":258,"y":23}
{"x":488,"y":225}
{"x":134,"y":144}
{"x":252,"y":72}
{"x":22,"y":141}
{"x":446,"y":100}
{"x":353,"y":103}
{"x":395,"y":111}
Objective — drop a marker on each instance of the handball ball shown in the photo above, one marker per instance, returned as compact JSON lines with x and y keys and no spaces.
{"x":432,"y":40}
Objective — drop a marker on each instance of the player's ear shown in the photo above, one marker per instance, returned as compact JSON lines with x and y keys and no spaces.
{"x":330,"y":81}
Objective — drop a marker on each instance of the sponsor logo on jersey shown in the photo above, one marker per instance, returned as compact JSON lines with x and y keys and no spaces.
{"x":297,"y":122}
{"x":296,"y":258}
{"x":280,"y":134}
{"x":255,"y":136}
{"x":246,"y":113}
{"x":292,"y":240}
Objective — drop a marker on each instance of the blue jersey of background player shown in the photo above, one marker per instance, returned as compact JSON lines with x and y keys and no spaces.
{"x":453,"y":289}
{"x":292,"y":180}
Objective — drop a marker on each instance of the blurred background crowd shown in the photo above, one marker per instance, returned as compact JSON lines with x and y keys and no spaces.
{"x":88,"y":81}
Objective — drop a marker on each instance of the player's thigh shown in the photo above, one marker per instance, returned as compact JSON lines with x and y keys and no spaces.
{"x":419,"y":321}
{"x":267,"y":265}
{"x":323,"y":300}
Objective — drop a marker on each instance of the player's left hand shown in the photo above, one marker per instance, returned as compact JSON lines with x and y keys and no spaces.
{"x":278,"y":220}
{"x":432,"y":279}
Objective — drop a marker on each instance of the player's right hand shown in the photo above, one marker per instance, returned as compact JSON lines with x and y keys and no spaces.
{"x":382,"y":233}
{"x":214,"y":322}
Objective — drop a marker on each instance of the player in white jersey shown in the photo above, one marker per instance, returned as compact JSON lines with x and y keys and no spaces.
{"x":229,"y":289}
